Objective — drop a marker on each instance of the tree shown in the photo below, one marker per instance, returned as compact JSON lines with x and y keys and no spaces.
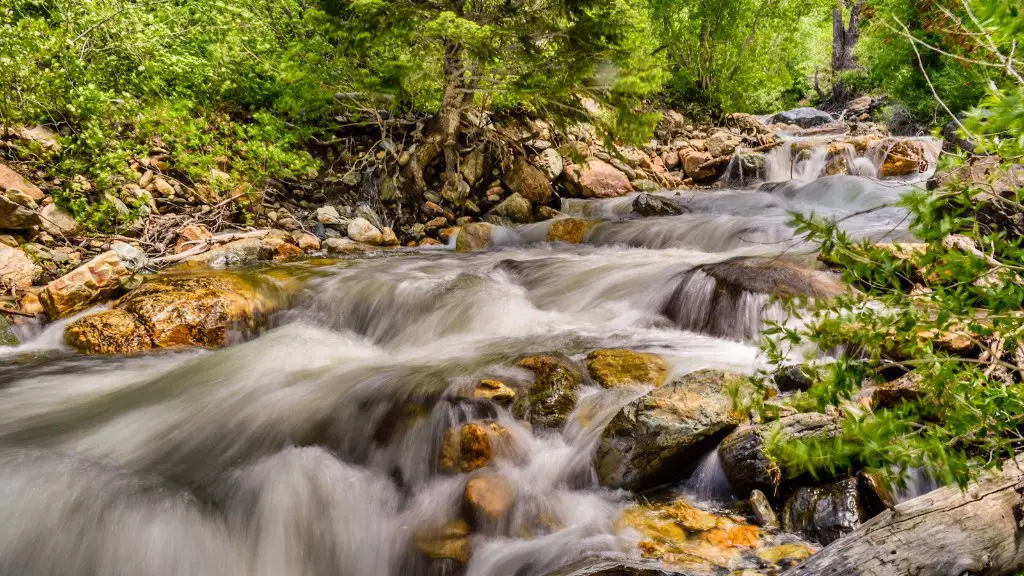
{"x":539,"y":55}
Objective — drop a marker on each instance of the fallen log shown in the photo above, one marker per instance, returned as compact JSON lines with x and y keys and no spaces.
{"x":946,"y":532}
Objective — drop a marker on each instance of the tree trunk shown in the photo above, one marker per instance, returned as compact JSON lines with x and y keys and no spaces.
{"x":944,"y":533}
{"x":845,"y":36}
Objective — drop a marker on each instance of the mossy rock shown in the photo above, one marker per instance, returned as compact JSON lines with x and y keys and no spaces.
{"x":552,"y":396}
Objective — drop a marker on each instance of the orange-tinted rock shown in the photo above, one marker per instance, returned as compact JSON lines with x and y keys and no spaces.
{"x":450,"y":541}
{"x":92,"y":282}
{"x":109,"y":332}
{"x":189,"y":236}
{"x":488,"y":497}
{"x":570,"y":230}
{"x":612,"y":368}
{"x":470,"y":447}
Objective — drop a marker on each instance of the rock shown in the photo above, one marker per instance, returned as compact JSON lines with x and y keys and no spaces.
{"x":645,"y":185}
{"x":528,"y":181}
{"x":613,"y":368}
{"x":11,"y":180}
{"x":723,"y":144}
{"x":570,"y":230}
{"x":360,"y":230}
{"x":824,"y":513}
{"x":309,"y":242}
{"x":547,"y":213}
{"x":328,"y":216}
{"x":670,"y":159}
{"x":902,"y":158}
{"x":858,"y":106}
{"x":39,"y":139}
{"x":889,"y":394}
{"x":745,"y":459}
{"x":802,"y":117}
{"x":516,"y":208}
{"x":7,"y":337}
{"x":455,"y":190}
{"x":775,"y":277}
{"x":90,"y":283}
{"x":650,"y":205}
{"x":388,"y":237}
{"x":494,"y":390}
{"x":653,"y":438}
{"x":790,"y":379}
{"x":468,"y":448}
{"x":474,"y":236}
{"x":285,"y":251}
{"x":786,"y":553}
{"x":345,"y":246}
{"x":672,"y":124}
{"x":110,"y":332}
{"x":747,"y":124}
{"x":550,"y":162}
{"x":552,"y":396}
{"x":488,"y":498}
{"x":763,"y":512}
{"x":435,"y":223}
{"x":693,"y":160}
{"x":235,"y":253}
{"x":17,"y":270}
{"x":133,"y":258}
{"x":162,"y":188}
{"x":449,"y":542}
{"x":14,"y":216}
{"x":473,"y":165}
{"x":597,"y":179}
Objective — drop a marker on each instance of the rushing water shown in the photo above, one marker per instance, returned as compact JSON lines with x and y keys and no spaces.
{"x":287,"y":454}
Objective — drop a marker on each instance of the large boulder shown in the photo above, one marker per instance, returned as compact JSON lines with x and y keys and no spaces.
{"x":745,"y":457}
{"x":552,"y":396}
{"x":652,"y":439}
{"x":597,"y":179}
{"x":723,"y":143}
{"x":174,"y":311}
{"x":528,"y":181}
{"x":474,"y":236}
{"x":774,"y":277}
{"x":824,"y":513}
{"x":488,"y":498}
{"x":618,"y":367}
{"x":650,"y":205}
{"x":802,"y":117}
{"x":570,"y":230}
{"x":14,"y":216}
{"x":17,"y":270}
{"x":902,"y":158}
{"x":693,"y":162}
{"x":11,"y":181}
{"x":97,"y":280}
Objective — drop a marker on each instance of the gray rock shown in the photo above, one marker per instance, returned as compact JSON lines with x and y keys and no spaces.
{"x":7,"y":337}
{"x":745,"y":458}
{"x":132,"y":258}
{"x":824,"y":513}
{"x":763,"y":512}
{"x":14,"y":216}
{"x":550,"y":163}
{"x":651,"y":205}
{"x":653,"y":438}
{"x":515,"y":208}
{"x":16,"y":268}
{"x":802,"y":117}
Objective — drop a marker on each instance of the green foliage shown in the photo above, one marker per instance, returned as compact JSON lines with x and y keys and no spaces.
{"x":743,"y":55}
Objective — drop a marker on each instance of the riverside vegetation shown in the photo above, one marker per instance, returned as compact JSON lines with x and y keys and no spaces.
{"x":367,"y":287}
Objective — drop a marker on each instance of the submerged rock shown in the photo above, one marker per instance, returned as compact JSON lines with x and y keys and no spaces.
{"x":469,"y":447}
{"x":653,"y":438}
{"x":775,"y":277}
{"x":493,"y":390}
{"x":650,"y":205}
{"x":570,"y":230}
{"x":824,"y":513}
{"x":612,"y":368}
{"x":448,"y":542}
{"x":552,"y":396}
{"x":173,"y":311}
{"x":488,"y":498}
{"x":803,"y":117}
{"x":746,"y":461}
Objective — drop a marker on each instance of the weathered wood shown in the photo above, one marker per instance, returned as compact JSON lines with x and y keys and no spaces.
{"x":943,"y":533}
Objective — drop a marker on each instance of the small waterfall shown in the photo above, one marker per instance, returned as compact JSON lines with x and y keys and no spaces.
{"x":708,"y":481}
{"x":917,"y":482}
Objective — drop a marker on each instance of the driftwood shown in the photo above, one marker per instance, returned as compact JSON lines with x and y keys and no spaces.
{"x":205,"y":245}
{"x":943,"y":533}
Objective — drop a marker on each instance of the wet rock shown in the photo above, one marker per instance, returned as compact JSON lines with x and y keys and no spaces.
{"x":552,"y":396}
{"x":516,"y":208}
{"x":11,"y":180}
{"x":549,"y":162}
{"x":528,"y":181}
{"x":763,"y":512}
{"x":693,"y":162}
{"x":110,"y":332}
{"x":723,"y":144}
{"x":775,"y":277}
{"x":132,"y":257}
{"x":547,"y":213}
{"x":570,"y":230}
{"x":474,"y":236}
{"x":824,"y":513}
{"x":56,"y":221}
{"x":284,"y":252}
{"x":345,"y":246}
{"x":744,"y":453}
{"x":494,"y":390}
{"x":802,"y":117}
{"x":902,"y":158}
{"x":648,"y":205}
{"x":360,"y":230}
{"x":470,"y":447}
{"x":786,"y":554}
{"x":488,"y":498}
{"x":7,"y":337}
{"x":14,"y":216}
{"x":653,"y":438}
{"x":448,"y":542}
{"x":17,"y":270}
{"x":876,"y":495}
{"x":597,"y":179}
{"x":92,"y":282}
{"x":612,"y":368}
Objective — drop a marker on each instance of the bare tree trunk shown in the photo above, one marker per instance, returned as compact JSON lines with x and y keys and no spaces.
{"x":845,"y":36}
{"x":943,"y":533}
